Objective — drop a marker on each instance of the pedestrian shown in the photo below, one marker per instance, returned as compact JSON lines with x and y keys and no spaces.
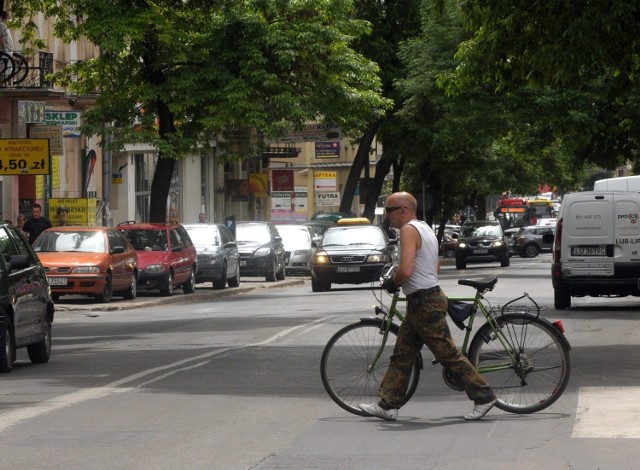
{"x":426,"y":318}
{"x":20,"y":221}
{"x":202,"y":218}
{"x":36,"y":224}
{"x":63,"y":216}
{"x":6,"y":41}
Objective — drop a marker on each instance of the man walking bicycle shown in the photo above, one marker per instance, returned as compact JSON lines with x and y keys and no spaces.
{"x":426,"y":319}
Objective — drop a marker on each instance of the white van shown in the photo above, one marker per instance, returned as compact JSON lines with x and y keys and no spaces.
{"x":596,"y":251}
{"x":621,"y":183}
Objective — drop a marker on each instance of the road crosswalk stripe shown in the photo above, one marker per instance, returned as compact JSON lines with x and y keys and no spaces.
{"x":608,"y":412}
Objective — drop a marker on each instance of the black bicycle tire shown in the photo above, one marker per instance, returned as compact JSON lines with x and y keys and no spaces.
{"x":503,"y":385}
{"x":361,"y":385}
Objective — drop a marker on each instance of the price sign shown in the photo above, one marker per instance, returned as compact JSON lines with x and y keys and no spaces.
{"x":24,"y":157}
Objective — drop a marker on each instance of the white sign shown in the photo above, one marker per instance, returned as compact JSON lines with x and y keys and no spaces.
{"x":325,"y":181}
{"x":328,"y":199}
{"x":69,"y":120}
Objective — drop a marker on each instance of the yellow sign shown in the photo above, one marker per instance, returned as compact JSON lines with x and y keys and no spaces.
{"x":258,"y":184}
{"x":324,"y":174}
{"x":24,"y":157}
{"x":79,"y":211}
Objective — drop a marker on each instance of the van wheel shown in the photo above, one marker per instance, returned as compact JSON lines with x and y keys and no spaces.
{"x":561,"y":299}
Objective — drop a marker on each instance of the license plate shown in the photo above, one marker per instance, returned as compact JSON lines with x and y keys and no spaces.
{"x":482,"y":251}
{"x":348,"y":269}
{"x":243,"y":263}
{"x":57,"y":281}
{"x":588,"y":251}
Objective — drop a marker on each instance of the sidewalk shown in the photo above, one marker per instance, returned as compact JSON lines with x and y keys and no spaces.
{"x":204,"y":292}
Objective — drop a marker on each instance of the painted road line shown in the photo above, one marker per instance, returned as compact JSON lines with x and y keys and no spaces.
{"x":608,"y":412}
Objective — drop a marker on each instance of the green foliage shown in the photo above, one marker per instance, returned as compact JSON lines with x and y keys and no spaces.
{"x":580,"y":55}
{"x":173,"y":74}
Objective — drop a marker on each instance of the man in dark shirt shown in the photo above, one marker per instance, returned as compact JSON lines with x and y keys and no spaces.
{"x":36,"y":224}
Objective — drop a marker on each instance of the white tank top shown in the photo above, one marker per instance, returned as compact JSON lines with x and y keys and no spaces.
{"x":425,"y":270}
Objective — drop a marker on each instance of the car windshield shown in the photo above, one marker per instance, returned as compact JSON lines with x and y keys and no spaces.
{"x":147,"y":240}
{"x":252,"y":233}
{"x":294,"y":236}
{"x":85,"y":242}
{"x":204,"y":236}
{"x":472,"y":230}
{"x":354,"y":236}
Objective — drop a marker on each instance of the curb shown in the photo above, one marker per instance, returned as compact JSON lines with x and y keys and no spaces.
{"x":81,"y":304}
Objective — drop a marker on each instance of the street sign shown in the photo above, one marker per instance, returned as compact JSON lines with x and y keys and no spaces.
{"x":24,"y":157}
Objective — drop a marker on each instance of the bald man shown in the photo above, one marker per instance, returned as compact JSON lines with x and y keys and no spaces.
{"x":426,"y":319}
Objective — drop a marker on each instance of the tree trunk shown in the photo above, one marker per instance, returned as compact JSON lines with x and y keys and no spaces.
{"x":361,"y":159}
{"x":161,"y":183}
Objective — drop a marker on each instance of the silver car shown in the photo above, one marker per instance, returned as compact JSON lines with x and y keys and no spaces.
{"x":527,"y":241}
{"x":297,"y":241}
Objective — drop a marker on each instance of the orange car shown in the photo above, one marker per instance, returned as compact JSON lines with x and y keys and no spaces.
{"x":95,"y":261}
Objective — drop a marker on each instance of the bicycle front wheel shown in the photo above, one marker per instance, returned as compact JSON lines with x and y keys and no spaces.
{"x":532,"y":372}
{"x":347,"y":370}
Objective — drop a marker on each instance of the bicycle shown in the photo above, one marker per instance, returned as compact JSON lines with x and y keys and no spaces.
{"x":524,"y":356}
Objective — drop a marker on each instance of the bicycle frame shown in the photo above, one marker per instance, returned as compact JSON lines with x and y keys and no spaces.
{"x":477,"y":300}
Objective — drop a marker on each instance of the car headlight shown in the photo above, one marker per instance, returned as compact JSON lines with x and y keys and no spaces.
{"x":497,"y":244}
{"x":155,"y":268}
{"x":462,"y":245}
{"x":321,"y":258}
{"x":86,"y":270}
{"x":375,"y":258}
{"x":262,"y":251}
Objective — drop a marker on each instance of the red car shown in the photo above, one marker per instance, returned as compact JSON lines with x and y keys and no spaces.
{"x":166,"y":256}
{"x":95,"y":261}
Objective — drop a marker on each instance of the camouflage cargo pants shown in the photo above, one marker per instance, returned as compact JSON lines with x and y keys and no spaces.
{"x":426,"y":323}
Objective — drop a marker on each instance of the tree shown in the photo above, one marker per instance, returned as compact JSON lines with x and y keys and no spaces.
{"x":174,"y":74}
{"x":584,"y":52}
{"x":393,"y":22}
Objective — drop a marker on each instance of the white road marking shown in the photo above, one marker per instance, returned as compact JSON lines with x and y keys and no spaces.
{"x":12,"y":418}
{"x":608,"y":412}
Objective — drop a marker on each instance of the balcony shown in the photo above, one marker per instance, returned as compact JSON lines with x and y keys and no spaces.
{"x":18,"y":71}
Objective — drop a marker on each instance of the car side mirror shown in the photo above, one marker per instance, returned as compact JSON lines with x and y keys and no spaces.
{"x":177,"y":249}
{"x":548,"y":238}
{"x":116,"y":250}
{"x":18,"y":262}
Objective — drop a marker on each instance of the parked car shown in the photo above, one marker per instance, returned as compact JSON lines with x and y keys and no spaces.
{"x":528,"y":241}
{"x":218,"y":256}
{"x":26,"y":307}
{"x":261,"y":250}
{"x":481,"y":241}
{"x":166,"y":256}
{"x":298,"y":248}
{"x":351,"y":254}
{"x":94,"y":261}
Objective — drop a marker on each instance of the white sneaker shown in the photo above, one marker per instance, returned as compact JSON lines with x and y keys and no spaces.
{"x":375,"y":410}
{"x":478,"y":410}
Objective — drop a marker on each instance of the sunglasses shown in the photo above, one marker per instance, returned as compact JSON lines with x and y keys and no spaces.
{"x":389,"y":210}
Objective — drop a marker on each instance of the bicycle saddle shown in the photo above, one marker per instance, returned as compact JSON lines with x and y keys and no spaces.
{"x":480,"y":284}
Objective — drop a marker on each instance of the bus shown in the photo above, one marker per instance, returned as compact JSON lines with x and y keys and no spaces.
{"x":541,"y":209}
{"x":513,"y":212}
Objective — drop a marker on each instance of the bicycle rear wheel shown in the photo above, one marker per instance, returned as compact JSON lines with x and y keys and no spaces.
{"x":345,"y":367}
{"x":542,"y":365}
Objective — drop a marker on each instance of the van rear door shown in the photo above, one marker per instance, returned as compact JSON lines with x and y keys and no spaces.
{"x":588,"y":236}
{"x":627,"y":233}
